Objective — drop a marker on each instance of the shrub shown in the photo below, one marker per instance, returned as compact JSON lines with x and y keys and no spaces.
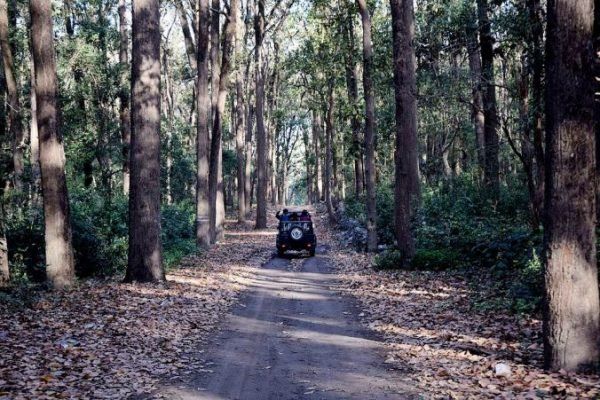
{"x":436,"y":259}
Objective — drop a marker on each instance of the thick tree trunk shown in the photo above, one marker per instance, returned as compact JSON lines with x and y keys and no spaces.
{"x":477,"y":113}
{"x":406,"y":188}
{"x":369,"y":126}
{"x":261,"y":134}
{"x":572,"y":310}
{"x":329,"y":127}
{"x":202,"y":141}
{"x":215,"y":175}
{"x":486,"y":40}
{"x":145,"y":247}
{"x":190,"y":46}
{"x":124,"y":111}
{"x":14,"y":103}
{"x":60,"y":268}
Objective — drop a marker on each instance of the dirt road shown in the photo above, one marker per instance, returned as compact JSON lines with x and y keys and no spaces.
{"x":294,"y":337}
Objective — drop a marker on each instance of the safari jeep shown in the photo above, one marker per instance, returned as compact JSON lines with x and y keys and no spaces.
{"x":296,"y":235}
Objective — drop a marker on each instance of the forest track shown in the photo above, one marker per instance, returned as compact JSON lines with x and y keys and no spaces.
{"x":294,"y":336}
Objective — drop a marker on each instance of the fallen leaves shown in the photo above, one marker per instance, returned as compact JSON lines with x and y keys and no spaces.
{"x":449,"y":349}
{"x":105,"y":339}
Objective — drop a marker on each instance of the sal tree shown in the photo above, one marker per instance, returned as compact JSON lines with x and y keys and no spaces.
{"x":145,"y":249}
{"x":572,"y":311}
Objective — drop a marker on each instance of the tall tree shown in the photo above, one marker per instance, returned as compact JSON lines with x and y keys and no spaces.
{"x":14,"y":102}
{"x":125,"y":113}
{"x":477,"y":113}
{"x":369,"y":125}
{"x":329,"y":135}
{"x":60,"y":269}
{"x":352,"y":89}
{"x":4,"y":268}
{"x":215,"y":174}
{"x":202,"y":141}
{"x":145,"y":248}
{"x":406,"y":188}
{"x":486,"y":40}
{"x":261,"y":134}
{"x":190,"y":46}
{"x":572,"y":309}
{"x":216,"y":212}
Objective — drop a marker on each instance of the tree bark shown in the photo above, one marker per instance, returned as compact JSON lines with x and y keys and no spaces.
{"x":261,"y":134}
{"x":215,"y":175}
{"x":406,"y":188}
{"x":239,"y":145}
{"x":477,"y":113}
{"x":60,"y":268}
{"x":329,"y":127}
{"x":14,"y":103}
{"x":352,"y":88}
{"x":486,"y":40}
{"x":34,"y":135}
{"x":248,"y":170}
{"x":369,"y":126}
{"x":317,"y":134}
{"x":124,"y":110}
{"x":190,"y":46}
{"x":145,"y":248}
{"x":202,"y":142}
{"x":572,"y":309}
{"x":4,"y":267}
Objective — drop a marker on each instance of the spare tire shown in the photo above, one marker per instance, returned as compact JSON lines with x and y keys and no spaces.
{"x":296,"y":233}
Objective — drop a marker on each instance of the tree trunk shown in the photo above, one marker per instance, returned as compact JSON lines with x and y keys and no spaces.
{"x":261,"y":134}
{"x":248,"y":171}
{"x":124,"y":111}
{"x":190,"y":47}
{"x":317,"y":135}
{"x":4,"y":269}
{"x":477,"y":113}
{"x":14,"y":103}
{"x":60,"y":268}
{"x":537,"y":56}
{"x":239,"y":146}
{"x":145,"y":248}
{"x":216,"y":174}
{"x":329,"y":127}
{"x":369,"y":126}
{"x":352,"y":88}
{"x":486,"y":40}
{"x":572,"y":310}
{"x":202,"y":141}
{"x":406,"y":188}
{"x":34,"y":135}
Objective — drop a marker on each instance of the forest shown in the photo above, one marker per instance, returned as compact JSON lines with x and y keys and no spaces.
{"x":147,"y":144}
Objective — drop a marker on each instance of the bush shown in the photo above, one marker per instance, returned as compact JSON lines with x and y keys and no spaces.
{"x":100,"y":236}
{"x":436,"y":259}
{"x":389,"y":260}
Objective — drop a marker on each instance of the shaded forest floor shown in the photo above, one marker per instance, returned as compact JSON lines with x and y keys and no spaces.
{"x":449,"y":348}
{"x":105,"y":339}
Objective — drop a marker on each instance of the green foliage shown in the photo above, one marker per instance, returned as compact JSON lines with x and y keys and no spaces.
{"x":100,"y":236}
{"x":389,"y":260}
{"x":178,"y":234}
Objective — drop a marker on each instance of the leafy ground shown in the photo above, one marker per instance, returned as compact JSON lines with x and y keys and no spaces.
{"x":105,"y":339}
{"x":444,"y":344}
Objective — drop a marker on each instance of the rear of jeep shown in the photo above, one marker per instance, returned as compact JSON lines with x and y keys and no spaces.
{"x":296,"y":235}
